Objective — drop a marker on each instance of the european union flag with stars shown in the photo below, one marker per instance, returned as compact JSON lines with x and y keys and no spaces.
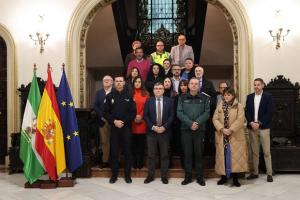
{"x":69,"y":125}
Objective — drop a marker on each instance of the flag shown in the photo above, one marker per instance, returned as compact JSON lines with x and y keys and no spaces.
{"x":33,"y":165}
{"x":69,"y":125}
{"x":49,"y":136}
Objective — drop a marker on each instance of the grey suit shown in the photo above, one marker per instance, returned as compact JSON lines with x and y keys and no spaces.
{"x":187,"y":52}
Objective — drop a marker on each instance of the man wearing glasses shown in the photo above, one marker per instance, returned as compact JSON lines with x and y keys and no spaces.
{"x":222,"y":86}
{"x":160,"y":55}
{"x":181,"y":52}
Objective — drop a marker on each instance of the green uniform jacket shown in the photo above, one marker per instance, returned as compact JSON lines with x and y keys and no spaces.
{"x":193,"y":109}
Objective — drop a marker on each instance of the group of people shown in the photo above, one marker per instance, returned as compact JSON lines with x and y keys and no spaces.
{"x":164,"y":102}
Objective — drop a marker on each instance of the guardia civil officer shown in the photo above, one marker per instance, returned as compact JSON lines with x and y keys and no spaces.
{"x":120,"y":111}
{"x":193,"y":111}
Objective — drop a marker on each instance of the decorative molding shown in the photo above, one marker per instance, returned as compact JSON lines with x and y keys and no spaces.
{"x":87,"y":9}
{"x":13,"y":122}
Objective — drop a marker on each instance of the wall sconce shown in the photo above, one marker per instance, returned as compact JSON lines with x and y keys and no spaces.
{"x":279,"y":36}
{"x":279,"y":33}
{"x":40,"y":38}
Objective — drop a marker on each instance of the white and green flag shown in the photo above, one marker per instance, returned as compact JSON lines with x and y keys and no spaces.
{"x":33,"y":165}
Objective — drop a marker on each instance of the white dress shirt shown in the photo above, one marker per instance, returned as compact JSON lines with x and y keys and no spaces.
{"x":257,"y":99}
{"x":175,"y":84}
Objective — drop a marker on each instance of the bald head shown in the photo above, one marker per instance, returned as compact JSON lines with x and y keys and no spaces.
{"x":199,"y":71}
{"x":107,"y":81}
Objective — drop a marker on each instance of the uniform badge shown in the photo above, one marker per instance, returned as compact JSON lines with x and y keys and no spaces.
{"x":126,"y":100}
{"x":112,"y":101}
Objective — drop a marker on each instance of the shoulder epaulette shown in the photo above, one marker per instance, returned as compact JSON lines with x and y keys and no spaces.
{"x":205,"y":94}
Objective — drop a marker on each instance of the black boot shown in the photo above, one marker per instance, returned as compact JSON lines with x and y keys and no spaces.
{"x":222,"y":181}
{"x":236,"y":180}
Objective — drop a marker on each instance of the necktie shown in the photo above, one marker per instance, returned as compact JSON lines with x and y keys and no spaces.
{"x":158,"y":120}
{"x":200,"y":86}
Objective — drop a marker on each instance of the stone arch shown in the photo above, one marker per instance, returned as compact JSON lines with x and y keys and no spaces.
{"x":13,"y":121}
{"x":86,"y":11}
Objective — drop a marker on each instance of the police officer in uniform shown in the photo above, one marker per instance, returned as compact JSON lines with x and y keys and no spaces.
{"x":119,"y":111}
{"x":193,"y":111}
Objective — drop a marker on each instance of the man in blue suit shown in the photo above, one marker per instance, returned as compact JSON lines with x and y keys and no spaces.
{"x":158,"y":114}
{"x":259,"y":118}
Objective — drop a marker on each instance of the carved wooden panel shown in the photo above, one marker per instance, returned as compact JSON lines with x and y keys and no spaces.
{"x":285,"y":97}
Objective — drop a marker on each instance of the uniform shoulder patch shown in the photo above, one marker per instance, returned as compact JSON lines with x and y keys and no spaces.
{"x":205,"y":94}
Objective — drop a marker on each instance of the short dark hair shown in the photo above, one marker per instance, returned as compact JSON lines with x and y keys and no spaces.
{"x":138,"y":49}
{"x":189,"y":59}
{"x":260,"y":80}
{"x":160,"y":41}
{"x":167,"y":59}
{"x":176,"y":64}
{"x":158,"y":83}
{"x":119,"y":76}
{"x":229,"y":90}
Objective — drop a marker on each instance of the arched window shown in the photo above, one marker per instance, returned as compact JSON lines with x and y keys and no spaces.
{"x":161,"y":19}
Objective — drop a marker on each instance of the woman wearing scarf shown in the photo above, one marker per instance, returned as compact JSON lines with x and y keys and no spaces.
{"x":230,"y":140}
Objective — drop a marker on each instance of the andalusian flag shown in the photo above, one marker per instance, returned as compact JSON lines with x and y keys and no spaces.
{"x":49,"y":136}
{"x":33,"y":165}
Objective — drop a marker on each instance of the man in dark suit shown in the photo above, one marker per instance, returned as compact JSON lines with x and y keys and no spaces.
{"x":103,"y":124}
{"x":259,"y":117}
{"x":158,"y":114}
{"x":119,"y":111}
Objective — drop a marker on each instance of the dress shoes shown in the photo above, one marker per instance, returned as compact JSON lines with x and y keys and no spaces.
{"x":113,"y":179}
{"x":269,"y":178}
{"x":164,"y":180}
{"x":222,"y":181}
{"x":201,"y":181}
{"x":149,"y":179}
{"x":252,"y":176}
{"x":128,"y":179}
{"x":186,"y":181}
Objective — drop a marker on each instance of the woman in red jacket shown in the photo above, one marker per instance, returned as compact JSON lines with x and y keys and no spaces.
{"x":139,"y":127}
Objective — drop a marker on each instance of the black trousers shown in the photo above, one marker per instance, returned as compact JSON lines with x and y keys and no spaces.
{"x":175,"y":141}
{"x":154,"y":142}
{"x":192,"y":144}
{"x":138,"y":149}
{"x":120,"y":138}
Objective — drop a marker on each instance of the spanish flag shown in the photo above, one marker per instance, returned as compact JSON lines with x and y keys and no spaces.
{"x":49,"y":135}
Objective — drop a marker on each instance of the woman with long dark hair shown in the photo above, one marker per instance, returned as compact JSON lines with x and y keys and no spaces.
{"x":134,"y":72}
{"x":230,"y":140}
{"x":168,"y":86}
{"x":156,"y":74}
{"x":139,"y":127}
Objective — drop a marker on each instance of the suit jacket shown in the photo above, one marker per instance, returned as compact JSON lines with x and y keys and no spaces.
{"x":98,"y":106}
{"x":187,"y":53}
{"x":264,"y":111}
{"x":208,"y":88}
{"x":167,"y":115}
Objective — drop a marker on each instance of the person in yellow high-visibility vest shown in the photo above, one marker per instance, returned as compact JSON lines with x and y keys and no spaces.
{"x":160,"y":55}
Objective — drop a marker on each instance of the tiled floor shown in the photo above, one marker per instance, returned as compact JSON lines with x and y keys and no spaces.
{"x":284,"y":187}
